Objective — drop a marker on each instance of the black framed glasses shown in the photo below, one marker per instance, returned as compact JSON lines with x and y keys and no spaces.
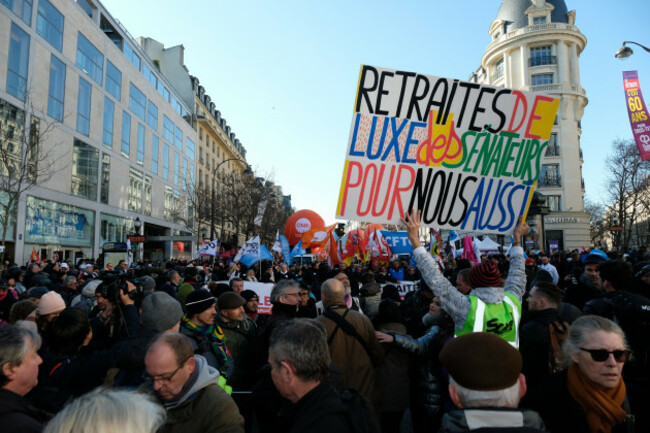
{"x":601,"y":355}
{"x":168,"y":377}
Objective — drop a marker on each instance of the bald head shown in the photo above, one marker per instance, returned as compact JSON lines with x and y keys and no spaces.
{"x":332,"y":292}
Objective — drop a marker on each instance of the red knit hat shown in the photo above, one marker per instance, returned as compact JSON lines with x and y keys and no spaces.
{"x":485,"y":275}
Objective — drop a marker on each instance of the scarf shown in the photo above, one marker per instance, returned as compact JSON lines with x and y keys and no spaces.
{"x":216,"y":337}
{"x":602,"y":406}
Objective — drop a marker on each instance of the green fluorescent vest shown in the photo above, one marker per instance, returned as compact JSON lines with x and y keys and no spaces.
{"x":500,"y":319}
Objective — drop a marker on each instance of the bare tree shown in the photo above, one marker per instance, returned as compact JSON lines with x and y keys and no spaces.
{"x":627,"y":186}
{"x":598,"y":226}
{"x":25,"y":161}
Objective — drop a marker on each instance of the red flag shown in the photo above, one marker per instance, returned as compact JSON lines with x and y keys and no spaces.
{"x":33,"y":257}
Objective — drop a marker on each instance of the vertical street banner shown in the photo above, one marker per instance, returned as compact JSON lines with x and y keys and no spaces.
{"x":466,"y":154}
{"x":638,"y":113}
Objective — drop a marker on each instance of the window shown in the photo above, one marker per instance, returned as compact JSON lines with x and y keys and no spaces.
{"x":22,"y":8}
{"x":109,"y":109}
{"x":149,"y":75}
{"x":126,"y":134}
{"x":49,"y":24}
{"x":152,"y":115}
{"x":553,"y":202}
{"x":132,"y":56}
{"x":168,"y":209}
{"x":137,"y":102}
{"x":18,"y":61}
{"x":184,"y":173}
{"x":57,"y":89}
{"x":541,"y":79}
{"x":189,"y":148}
{"x":550,"y":175}
{"x":106,"y":178}
{"x":85,"y":161}
{"x":553,"y":149}
{"x":168,"y":129}
{"x":163,"y":90}
{"x":178,"y":140}
{"x":539,"y":20}
{"x":90,"y":59}
{"x":83,"y":106}
{"x":110,"y":32}
{"x":154,"y":154}
{"x":176,"y":105}
{"x":140,"y":154}
{"x":87,"y":7}
{"x":177,"y":167}
{"x":166,"y":161}
{"x":498,"y":68}
{"x":135,"y":190}
{"x":147,"y":195}
{"x":191,"y":172}
{"x":113,"y":80}
{"x":541,"y":56}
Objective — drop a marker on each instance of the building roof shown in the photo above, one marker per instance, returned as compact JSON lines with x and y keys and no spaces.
{"x":514,"y":12}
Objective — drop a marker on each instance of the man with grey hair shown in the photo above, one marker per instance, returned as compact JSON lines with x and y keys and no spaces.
{"x":300,"y":362}
{"x":19,"y":363}
{"x":172,"y":284}
{"x":69,"y":289}
{"x":285,"y":297}
{"x":486,"y":384}
{"x":354,"y":348}
{"x":189,"y":388}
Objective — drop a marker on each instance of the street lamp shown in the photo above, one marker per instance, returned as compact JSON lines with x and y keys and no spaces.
{"x":216,"y":169}
{"x":136,"y":225}
{"x":625,"y":51}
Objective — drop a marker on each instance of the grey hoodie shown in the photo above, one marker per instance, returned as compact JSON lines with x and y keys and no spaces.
{"x":205,"y":376}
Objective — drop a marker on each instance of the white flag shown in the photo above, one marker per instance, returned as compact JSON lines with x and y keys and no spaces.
{"x":208,"y":249}
{"x":277,"y":246}
{"x":129,"y":253}
{"x":261,"y":208}
{"x":251,"y":247}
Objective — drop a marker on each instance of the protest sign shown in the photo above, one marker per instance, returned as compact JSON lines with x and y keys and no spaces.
{"x":404,"y":287}
{"x":263,"y":291}
{"x":466,"y":154}
{"x":637,"y":112}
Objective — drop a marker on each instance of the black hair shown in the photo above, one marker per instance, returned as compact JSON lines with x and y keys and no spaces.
{"x":67,"y":332}
{"x":617,"y":272}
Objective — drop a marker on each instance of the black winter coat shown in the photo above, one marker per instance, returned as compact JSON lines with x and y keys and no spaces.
{"x":17,"y":415}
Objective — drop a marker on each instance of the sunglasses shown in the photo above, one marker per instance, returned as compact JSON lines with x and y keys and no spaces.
{"x":601,"y":355}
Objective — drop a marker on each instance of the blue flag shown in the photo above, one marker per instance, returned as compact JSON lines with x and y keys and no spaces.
{"x":398,"y":242}
{"x":296,"y":251}
{"x":286,"y":249}
{"x":249,"y":259}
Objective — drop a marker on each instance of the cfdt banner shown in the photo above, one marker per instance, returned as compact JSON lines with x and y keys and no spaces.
{"x":638,"y":113}
{"x":467,"y":155}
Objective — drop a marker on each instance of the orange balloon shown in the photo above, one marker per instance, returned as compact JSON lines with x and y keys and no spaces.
{"x":299,"y":223}
{"x":179,"y":247}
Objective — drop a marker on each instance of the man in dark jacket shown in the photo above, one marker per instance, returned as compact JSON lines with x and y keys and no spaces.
{"x":300,"y":360}
{"x":189,"y":389}
{"x":534,"y":336}
{"x":19,"y":363}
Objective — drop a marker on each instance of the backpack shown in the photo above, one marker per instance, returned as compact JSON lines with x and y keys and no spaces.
{"x":360,"y":411}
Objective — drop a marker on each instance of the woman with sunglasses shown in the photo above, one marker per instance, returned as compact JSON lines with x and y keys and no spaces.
{"x":590,"y":395}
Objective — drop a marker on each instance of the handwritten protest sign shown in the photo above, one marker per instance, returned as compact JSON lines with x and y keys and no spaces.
{"x":466,"y":154}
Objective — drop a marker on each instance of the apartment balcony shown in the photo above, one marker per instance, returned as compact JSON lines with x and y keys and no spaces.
{"x":553,"y":181}
{"x":552,"y":150}
{"x":542,"y":60}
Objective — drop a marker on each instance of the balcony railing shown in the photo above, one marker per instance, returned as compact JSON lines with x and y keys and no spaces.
{"x":553,"y":181}
{"x":552,"y":150}
{"x":542,"y":60}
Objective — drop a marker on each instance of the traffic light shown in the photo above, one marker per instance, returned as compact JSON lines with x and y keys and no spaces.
{"x":340,"y":230}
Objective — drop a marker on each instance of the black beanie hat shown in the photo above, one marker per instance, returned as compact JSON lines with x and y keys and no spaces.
{"x":198,"y":301}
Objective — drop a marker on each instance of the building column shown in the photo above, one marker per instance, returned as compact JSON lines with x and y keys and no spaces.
{"x":524,"y":66}
{"x":96,"y":235}
{"x":575,"y":70}
{"x":507,"y":73}
{"x":20,"y":255}
{"x":563,"y":63}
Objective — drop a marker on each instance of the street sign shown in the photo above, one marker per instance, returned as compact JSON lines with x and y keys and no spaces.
{"x":615,"y":229}
{"x":135,"y":239}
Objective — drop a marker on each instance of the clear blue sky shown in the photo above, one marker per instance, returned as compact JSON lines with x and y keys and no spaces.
{"x":284,"y":73}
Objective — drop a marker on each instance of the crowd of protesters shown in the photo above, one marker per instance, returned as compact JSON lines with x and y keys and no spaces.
{"x":557,"y":343}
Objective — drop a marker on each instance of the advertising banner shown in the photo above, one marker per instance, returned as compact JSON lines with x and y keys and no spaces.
{"x":466,"y":154}
{"x":638,"y":113}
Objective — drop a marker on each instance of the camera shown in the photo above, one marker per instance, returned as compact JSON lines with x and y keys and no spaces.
{"x":114,"y":281}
